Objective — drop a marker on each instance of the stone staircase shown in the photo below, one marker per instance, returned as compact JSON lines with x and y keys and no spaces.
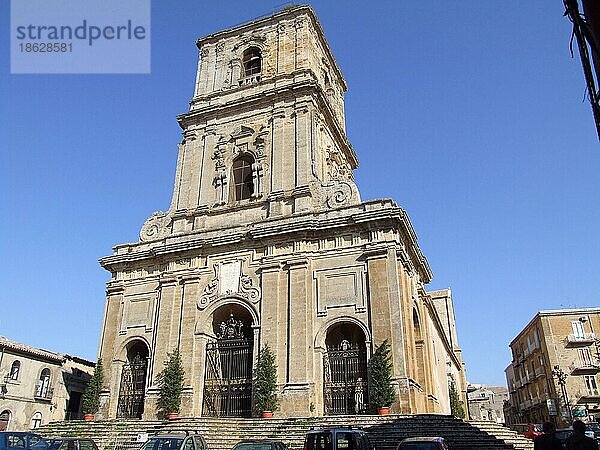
{"x":223,"y":433}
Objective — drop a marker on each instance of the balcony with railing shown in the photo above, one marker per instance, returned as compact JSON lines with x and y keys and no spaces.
{"x":580,"y":339}
{"x":525,"y":404}
{"x":588,"y":367}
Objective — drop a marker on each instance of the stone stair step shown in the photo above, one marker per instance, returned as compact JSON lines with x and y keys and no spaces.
{"x":222,"y":433}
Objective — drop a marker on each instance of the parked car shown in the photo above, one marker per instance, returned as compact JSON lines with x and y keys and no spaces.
{"x":595,"y":427}
{"x":337,"y":439}
{"x":177,"y":440}
{"x":71,"y":444}
{"x":529,"y":430}
{"x":260,"y":444}
{"x":563,"y":433}
{"x":423,"y":443}
{"x":22,"y":440}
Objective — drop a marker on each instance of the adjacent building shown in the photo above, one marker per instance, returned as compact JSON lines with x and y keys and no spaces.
{"x":38,"y":386}
{"x":487,"y":402}
{"x":554,"y":374}
{"x":267,"y":242}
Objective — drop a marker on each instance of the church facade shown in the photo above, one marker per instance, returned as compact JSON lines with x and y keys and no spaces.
{"x":267,"y":242}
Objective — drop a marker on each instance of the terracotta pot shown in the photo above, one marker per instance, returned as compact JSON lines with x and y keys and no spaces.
{"x":172,"y":416}
{"x":267,"y":414}
{"x":88,"y":417}
{"x":384,"y":410}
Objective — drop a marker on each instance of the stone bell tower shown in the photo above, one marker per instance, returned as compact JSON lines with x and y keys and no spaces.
{"x":265,"y":134}
{"x":267,"y":242}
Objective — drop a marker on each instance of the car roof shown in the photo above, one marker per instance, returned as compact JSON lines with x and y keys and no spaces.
{"x":18,"y":432}
{"x":423,"y":439}
{"x":248,"y":441}
{"x":69,"y":439}
{"x":175,"y":434}
{"x":336,"y":429}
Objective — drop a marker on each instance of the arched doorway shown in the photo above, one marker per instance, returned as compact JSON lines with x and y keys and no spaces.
{"x":133,"y":381}
{"x":229,"y":358}
{"x":345,"y":370}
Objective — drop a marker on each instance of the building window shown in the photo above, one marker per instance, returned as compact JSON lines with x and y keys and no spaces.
{"x":36,"y":420}
{"x":242,"y":177}
{"x":252,"y":61}
{"x":578,"y":329}
{"x":43,"y":384}
{"x":585,"y":357}
{"x":590,"y":384}
{"x":14,"y":370}
{"x":4,"y":420}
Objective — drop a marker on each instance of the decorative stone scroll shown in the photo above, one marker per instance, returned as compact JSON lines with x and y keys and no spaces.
{"x":339,"y":194}
{"x":155,"y":227}
{"x":229,"y":280}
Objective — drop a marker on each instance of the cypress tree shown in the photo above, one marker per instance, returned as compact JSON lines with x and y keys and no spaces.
{"x":382,"y":391}
{"x":170,"y":385}
{"x":456,"y":405}
{"x":91,"y":396}
{"x":266,"y":381}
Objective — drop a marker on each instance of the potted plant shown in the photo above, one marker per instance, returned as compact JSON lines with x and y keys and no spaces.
{"x":91,"y":396}
{"x":266,"y":383}
{"x":170,"y":386}
{"x":382,"y":392}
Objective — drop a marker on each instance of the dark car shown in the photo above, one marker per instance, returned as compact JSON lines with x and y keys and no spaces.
{"x":260,"y":444}
{"x":179,"y":440}
{"x":337,"y":439}
{"x":22,"y":440}
{"x":71,"y":444}
{"x":423,"y":443}
{"x":563,"y":433}
{"x":595,"y":427}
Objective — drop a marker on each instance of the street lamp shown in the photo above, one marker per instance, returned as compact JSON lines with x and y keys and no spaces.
{"x":562,"y":381}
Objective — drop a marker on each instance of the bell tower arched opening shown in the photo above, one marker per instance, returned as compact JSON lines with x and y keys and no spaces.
{"x":345,"y":377}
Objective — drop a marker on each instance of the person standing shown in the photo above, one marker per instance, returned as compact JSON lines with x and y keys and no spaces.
{"x":578,"y":440}
{"x":548,"y":440}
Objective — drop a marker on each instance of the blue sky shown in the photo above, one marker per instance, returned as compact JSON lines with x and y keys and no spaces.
{"x":471,"y":115}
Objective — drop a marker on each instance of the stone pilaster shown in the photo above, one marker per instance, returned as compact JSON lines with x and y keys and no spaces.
{"x":296,"y":395}
{"x":108,"y":348}
{"x":168,"y":322}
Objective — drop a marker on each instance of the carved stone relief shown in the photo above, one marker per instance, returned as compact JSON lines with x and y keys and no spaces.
{"x":229,"y":280}
{"x":156,"y":227}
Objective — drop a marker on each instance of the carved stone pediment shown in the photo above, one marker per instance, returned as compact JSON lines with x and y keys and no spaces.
{"x":229,"y":280}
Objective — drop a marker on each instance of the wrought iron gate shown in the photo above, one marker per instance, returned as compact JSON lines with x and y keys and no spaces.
{"x":228,"y":373}
{"x":345,"y":379}
{"x":132,"y":390}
